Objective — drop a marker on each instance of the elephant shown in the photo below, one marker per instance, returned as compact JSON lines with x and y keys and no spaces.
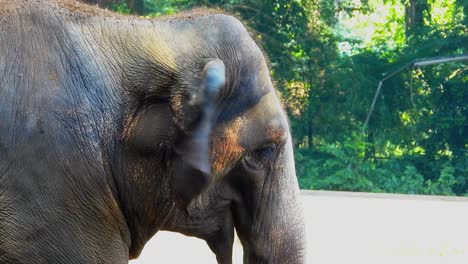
{"x":114,"y":127}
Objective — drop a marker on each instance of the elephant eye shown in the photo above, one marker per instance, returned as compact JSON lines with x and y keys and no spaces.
{"x":260,"y":157}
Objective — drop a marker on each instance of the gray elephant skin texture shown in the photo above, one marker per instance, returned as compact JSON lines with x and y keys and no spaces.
{"x":115,"y":127}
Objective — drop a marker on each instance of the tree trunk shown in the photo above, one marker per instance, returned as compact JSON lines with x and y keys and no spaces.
{"x":414,"y":15}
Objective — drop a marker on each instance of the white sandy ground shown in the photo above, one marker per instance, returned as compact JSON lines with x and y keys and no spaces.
{"x":355,"y":228}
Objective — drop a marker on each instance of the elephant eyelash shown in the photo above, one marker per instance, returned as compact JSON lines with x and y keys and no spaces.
{"x":261,"y":157}
{"x":266,"y":151}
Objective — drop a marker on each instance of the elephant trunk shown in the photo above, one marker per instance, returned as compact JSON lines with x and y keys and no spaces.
{"x":277,"y":231}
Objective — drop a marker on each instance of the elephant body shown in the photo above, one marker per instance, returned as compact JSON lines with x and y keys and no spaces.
{"x":114,"y":127}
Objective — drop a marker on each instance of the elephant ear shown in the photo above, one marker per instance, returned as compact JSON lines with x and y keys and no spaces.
{"x":192,"y":168}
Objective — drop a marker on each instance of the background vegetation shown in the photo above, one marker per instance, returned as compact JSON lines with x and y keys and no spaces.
{"x":328,"y":57}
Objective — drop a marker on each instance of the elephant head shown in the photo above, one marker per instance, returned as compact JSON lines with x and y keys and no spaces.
{"x":254,"y":189}
{"x":215,"y":152}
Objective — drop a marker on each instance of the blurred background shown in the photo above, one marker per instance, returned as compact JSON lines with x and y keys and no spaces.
{"x":327,"y":57}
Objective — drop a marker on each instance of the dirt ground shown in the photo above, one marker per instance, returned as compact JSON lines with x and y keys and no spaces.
{"x":354,"y":228}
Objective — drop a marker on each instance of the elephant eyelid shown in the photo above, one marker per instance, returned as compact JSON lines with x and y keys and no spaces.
{"x":259,"y":158}
{"x":267,"y":149}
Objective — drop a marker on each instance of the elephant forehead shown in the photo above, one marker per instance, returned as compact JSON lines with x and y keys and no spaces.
{"x":267,"y":116}
{"x":262,"y":123}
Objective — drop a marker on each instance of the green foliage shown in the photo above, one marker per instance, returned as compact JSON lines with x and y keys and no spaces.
{"x":327,"y":58}
{"x":336,"y":168}
{"x":444,"y":184}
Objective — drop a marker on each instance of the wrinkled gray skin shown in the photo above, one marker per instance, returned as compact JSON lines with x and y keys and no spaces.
{"x":113,"y":128}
